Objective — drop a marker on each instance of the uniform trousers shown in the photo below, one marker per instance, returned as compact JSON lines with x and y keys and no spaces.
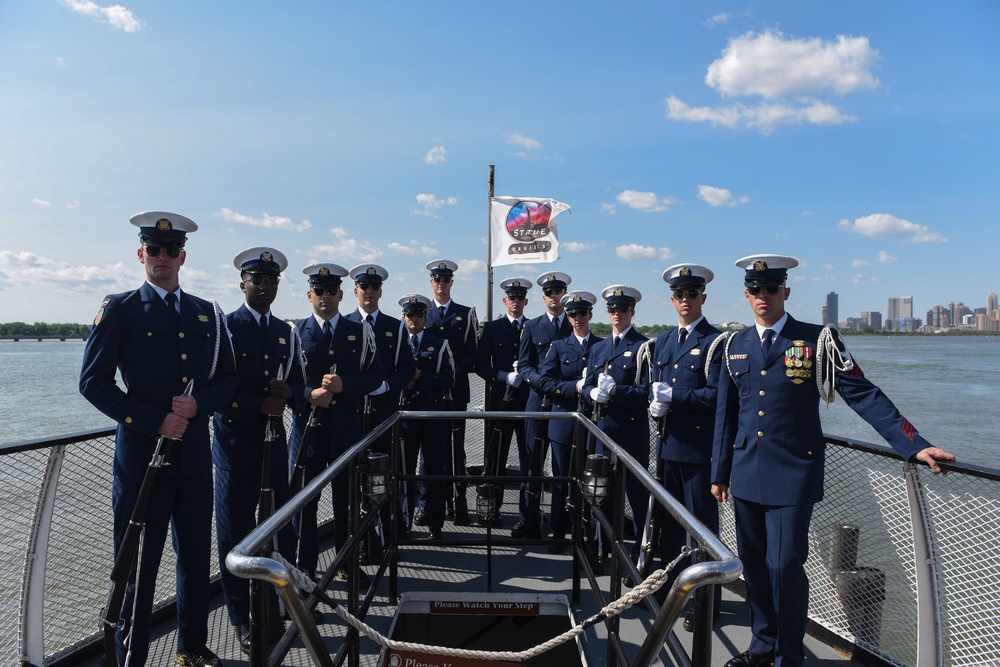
{"x":185,"y":505}
{"x":305,"y":524}
{"x":773,"y":543}
{"x":431,"y":438}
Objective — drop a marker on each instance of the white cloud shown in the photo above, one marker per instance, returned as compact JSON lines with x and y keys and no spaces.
{"x":469,"y":267}
{"x":116,"y":16}
{"x":266,"y":221}
{"x":719,"y":196}
{"x":414,"y":248}
{"x":718,"y":19}
{"x":26,"y":269}
{"x":576,"y":246}
{"x":644,"y":201}
{"x":860,"y":279}
{"x":610,"y":209}
{"x":60,"y":62}
{"x":430,"y":205}
{"x":763,"y":117}
{"x":41,"y":203}
{"x":635,"y":251}
{"x":73,"y":205}
{"x":885,"y":258}
{"x":828,"y":267}
{"x":858,"y":263}
{"x":880,"y":225}
{"x":346,"y":247}
{"x":790,"y":73}
{"x":773,"y":66}
{"x":526,"y":143}
{"x":435,"y":155}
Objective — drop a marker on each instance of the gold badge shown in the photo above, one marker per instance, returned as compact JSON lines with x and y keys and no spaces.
{"x":798,"y":361}
{"x":352,"y":338}
{"x":282,"y":341}
{"x":628,"y":353}
{"x":695,"y":352}
{"x":203,"y":318}
{"x":324,"y":271}
{"x":760,"y":265}
{"x":128,"y":420}
{"x":458,"y":319}
{"x":164,"y":225}
{"x":685,"y":272}
{"x":389,"y":334}
{"x":266,"y":256}
{"x":430,"y":349}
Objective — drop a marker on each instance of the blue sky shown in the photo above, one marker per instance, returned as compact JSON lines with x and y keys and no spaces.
{"x":860,"y":137}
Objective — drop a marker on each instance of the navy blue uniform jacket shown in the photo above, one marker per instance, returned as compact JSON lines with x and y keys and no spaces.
{"x":397,"y":363}
{"x":239,"y":424}
{"x":358,"y":366}
{"x":560,"y":370}
{"x":769,"y":445}
{"x":460,"y":329}
{"x":498,"y":350}
{"x":689,"y":426}
{"x":133,"y":333}
{"x":625,"y":418}
{"x":538,"y":336}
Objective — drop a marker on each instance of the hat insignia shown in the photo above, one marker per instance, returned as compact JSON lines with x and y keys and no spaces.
{"x":618,"y":292}
{"x":164,"y":225}
{"x":266,"y":257}
{"x":685,"y":272}
{"x":324,"y":272}
{"x":413,"y":299}
{"x":576,"y":298}
{"x":516,"y":283}
{"x":442,"y":265}
{"x":550,"y":278}
{"x":370,"y":271}
{"x":760,"y":265}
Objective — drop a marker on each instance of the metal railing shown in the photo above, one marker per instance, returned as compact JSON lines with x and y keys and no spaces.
{"x":939,"y":605}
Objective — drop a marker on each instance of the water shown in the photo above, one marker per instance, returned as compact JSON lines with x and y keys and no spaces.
{"x":947,"y":386}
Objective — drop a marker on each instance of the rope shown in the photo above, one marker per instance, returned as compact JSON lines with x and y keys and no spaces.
{"x":829,"y":360}
{"x":218,"y":341}
{"x":644,"y":357}
{"x":729,"y":341}
{"x":652,"y":583}
{"x":716,"y":342}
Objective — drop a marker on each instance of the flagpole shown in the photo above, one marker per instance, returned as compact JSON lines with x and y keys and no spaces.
{"x":489,"y":249}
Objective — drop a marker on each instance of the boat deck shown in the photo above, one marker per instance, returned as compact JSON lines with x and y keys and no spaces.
{"x":515,"y":569}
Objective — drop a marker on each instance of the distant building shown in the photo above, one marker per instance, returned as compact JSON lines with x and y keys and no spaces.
{"x":872,"y":319}
{"x":900,"y":309}
{"x":830,"y":311}
{"x":992,"y":305}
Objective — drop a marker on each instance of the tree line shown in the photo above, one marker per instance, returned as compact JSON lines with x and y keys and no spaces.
{"x":60,"y":329}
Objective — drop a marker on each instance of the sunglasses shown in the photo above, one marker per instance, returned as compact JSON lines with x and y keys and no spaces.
{"x":771,"y":289}
{"x":619,"y":309}
{"x":689,"y":293}
{"x":320,"y":291}
{"x":364,"y":287}
{"x":417,"y":315}
{"x":154,"y":250}
{"x":441,"y":279}
{"x":263,"y":280}
{"x":577,"y":313}
{"x":553,"y":291}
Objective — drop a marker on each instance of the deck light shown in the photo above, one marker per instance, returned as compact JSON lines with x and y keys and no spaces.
{"x":377,"y":480}
{"x":595,"y":478}
{"x":486,"y":501}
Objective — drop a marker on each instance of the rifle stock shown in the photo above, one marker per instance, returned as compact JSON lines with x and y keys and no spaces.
{"x":297,"y":480}
{"x":128,"y":550}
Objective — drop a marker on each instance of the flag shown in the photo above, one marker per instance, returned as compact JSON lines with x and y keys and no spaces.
{"x":523,"y":230}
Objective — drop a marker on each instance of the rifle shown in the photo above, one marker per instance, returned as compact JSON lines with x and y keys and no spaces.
{"x":536,"y":463}
{"x":263,"y":607}
{"x":128,"y":550}
{"x":651,"y":531}
{"x":373,"y":542}
{"x":297,"y":481}
{"x":458,"y":467}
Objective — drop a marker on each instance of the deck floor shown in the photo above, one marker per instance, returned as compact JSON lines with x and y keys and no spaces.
{"x":515,"y":569}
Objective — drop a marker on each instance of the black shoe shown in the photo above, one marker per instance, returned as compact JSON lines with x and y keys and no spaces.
{"x":198,"y":657}
{"x":244,"y":631}
{"x":748,"y":659}
{"x":461,"y":518}
{"x":518,"y":531}
{"x":689,"y":622}
{"x":363,"y":555}
{"x":556,"y":549}
{"x":434,"y":534}
{"x":533,"y":531}
{"x":418,"y":517}
{"x":627,"y":581}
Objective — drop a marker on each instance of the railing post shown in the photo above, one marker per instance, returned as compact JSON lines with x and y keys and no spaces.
{"x":925,"y":566}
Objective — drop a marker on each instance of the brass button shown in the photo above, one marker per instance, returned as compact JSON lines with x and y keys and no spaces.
{"x":265,"y":356}
{"x":184,"y":380}
{"x":809,"y":453}
{"x":184,"y":357}
{"x":763,"y":393}
{"x":673,"y":379}
{"x":330,"y":352}
{"x":675,"y":366}
{"x":244,"y":355}
{"x":760,"y":414}
{"x":760,"y":434}
{"x":267,"y":373}
{"x":763,"y":372}
{"x":180,"y":334}
{"x":149,"y":333}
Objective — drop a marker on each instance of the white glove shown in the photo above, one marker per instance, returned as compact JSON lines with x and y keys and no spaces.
{"x":579,"y":385}
{"x":662,"y":392}
{"x":598,"y":396}
{"x":605,"y":382}
{"x":658,"y":409}
{"x":382,"y":388}
{"x":515,"y":365}
{"x":584,"y":376}
{"x":513,"y":379}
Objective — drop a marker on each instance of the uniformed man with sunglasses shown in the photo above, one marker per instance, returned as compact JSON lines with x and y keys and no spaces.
{"x":161,"y":338}
{"x":768,"y":453}
{"x":268,"y":363}
{"x":342,"y":366}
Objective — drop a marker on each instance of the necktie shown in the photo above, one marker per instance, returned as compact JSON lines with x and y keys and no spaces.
{"x":328,"y":333}
{"x":370,"y":320}
{"x":263,"y":324}
{"x":682,"y":336}
{"x":583,"y":345}
{"x":517,"y":326}
{"x":414,"y":345}
{"x":555,"y":325}
{"x":441,"y":311}
{"x":171,"y":300}
{"x":618,"y":339}
{"x":765,"y":344}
